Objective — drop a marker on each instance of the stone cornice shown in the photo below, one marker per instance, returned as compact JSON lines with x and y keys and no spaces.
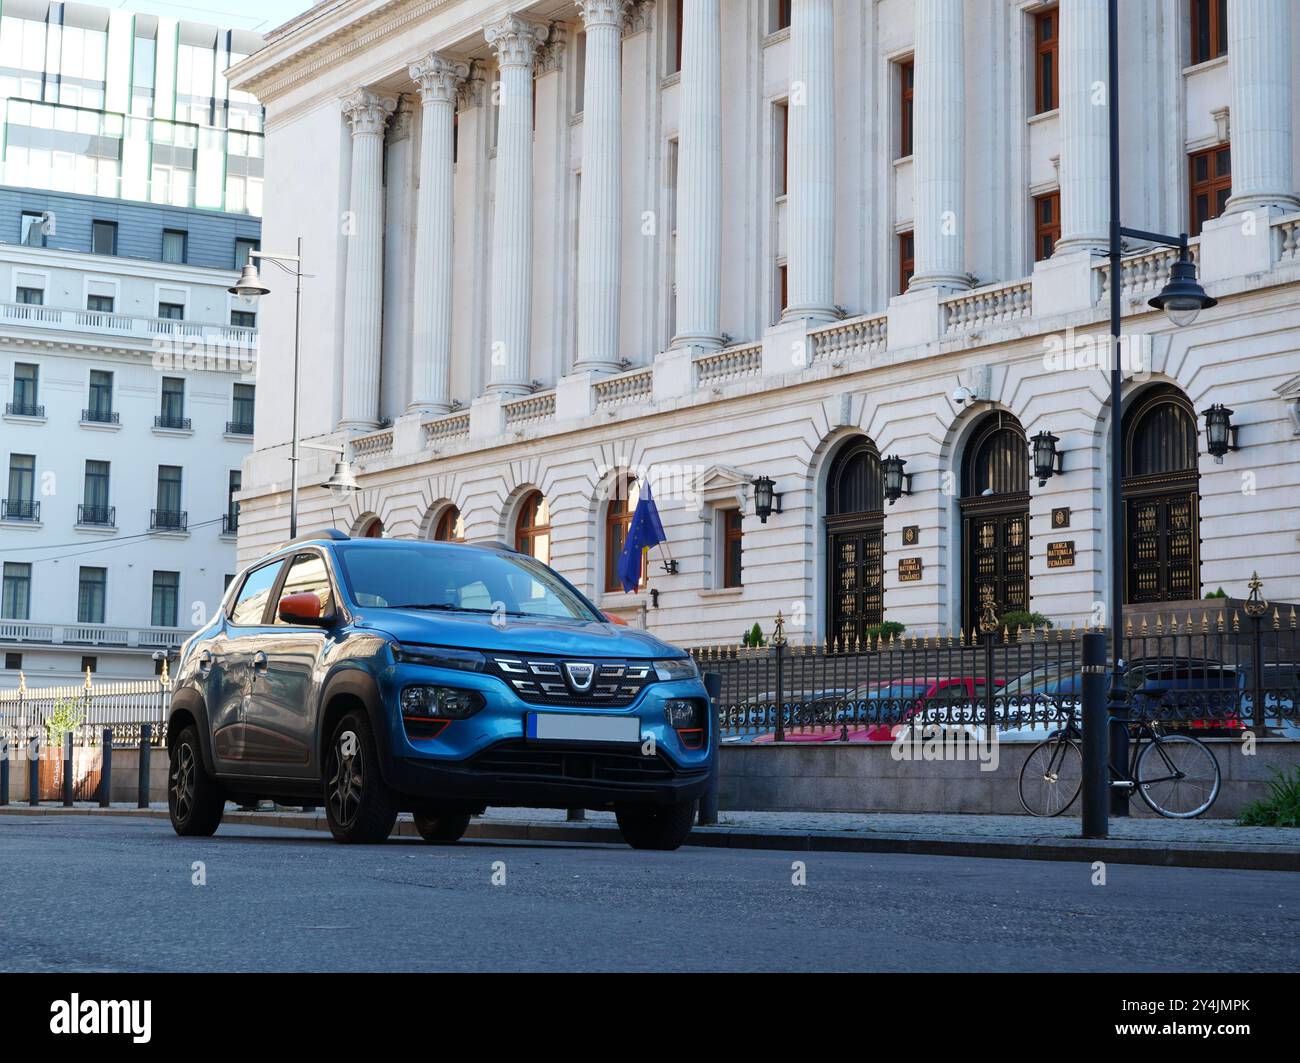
{"x":438,"y":77}
{"x":368,"y":111}
{"x":515,"y":41}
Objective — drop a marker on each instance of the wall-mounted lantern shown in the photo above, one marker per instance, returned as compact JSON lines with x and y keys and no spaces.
{"x":897,"y":482}
{"x":1220,"y":432}
{"x":766,"y":499}
{"x":1047,"y":459}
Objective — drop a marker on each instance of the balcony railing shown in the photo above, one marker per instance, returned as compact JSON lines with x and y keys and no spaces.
{"x":24,"y":409}
{"x":176,"y":424}
{"x":79,"y":634}
{"x":144,"y":328}
{"x":230,"y":524}
{"x":101,"y":416}
{"x":239,"y":428}
{"x":97,"y":516}
{"x":20,"y":509}
{"x":168,"y":520}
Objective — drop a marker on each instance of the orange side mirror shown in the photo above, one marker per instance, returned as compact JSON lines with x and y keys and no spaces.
{"x":300,"y":608}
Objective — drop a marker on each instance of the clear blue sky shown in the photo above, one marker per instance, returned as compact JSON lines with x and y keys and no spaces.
{"x":259,"y":15}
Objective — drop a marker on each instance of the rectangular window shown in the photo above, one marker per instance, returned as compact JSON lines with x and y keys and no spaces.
{"x":243,"y":319}
{"x":781,"y":145}
{"x":90,"y":595}
{"x":171,"y":311}
{"x":1209,"y":22}
{"x":89,"y":664}
{"x":676,"y":22}
{"x":243,"y":248}
{"x":906,"y":260}
{"x":732,"y":539}
{"x":26,"y":378}
{"x":231,"y":520}
{"x":782,"y":290}
{"x":906,"y":83}
{"x":1046,"y":75}
{"x":174,"y":245}
{"x":16,"y":595}
{"x":579,"y":73}
{"x":779,"y":14}
{"x":1211,"y":185}
{"x":13,"y":662}
{"x":169,"y":491}
{"x":101,"y":396}
{"x":166,"y":594}
{"x":103,"y":237}
{"x":22,"y":484}
{"x":34,"y":228}
{"x":242,"y":409}
{"x":30,"y":296}
{"x":99,"y":304}
{"x":97,"y":477}
{"x":173,"y":403}
{"x":143,"y":66}
{"x":1047,"y":224}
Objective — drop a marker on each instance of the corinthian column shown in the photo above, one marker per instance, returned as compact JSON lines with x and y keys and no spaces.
{"x":439,"y":80}
{"x":1085,"y":131}
{"x":699,"y":179}
{"x":367,"y":112}
{"x":811,"y":198}
{"x":1261,"y":64}
{"x":940,"y":145}
{"x":515,"y":43}
{"x":602,"y":202}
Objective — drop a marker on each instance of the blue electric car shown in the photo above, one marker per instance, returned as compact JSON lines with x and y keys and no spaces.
{"x":379,"y":676}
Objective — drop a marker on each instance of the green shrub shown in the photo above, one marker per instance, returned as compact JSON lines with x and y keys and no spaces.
{"x":67,"y":716}
{"x":1019,"y":618}
{"x":1220,"y":593}
{"x":1281,"y":808}
{"x":886,"y":630}
{"x":753,"y":638}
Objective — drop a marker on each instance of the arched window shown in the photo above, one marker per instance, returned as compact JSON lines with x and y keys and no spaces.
{"x":618,"y":517}
{"x":374,"y":529}
{"x":995,"y":519}
{"x":855,"y":542}
{"x":533,"y":528}
{"x":1161,"y":491}
{"x":450,"y":528}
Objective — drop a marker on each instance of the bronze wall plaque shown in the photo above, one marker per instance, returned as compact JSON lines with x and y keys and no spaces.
{"x":910,"y":569}
{"x":1060,"y":555}
{"x":911,"y":535}
{"x":1060,"y":518}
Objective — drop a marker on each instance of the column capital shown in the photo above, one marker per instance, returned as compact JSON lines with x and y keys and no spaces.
{"x":438,"y":77}
{"x":640,"y":17}
{"x":368,"y":111}
{"x":603,"y":12}
{"x":515,"y":41}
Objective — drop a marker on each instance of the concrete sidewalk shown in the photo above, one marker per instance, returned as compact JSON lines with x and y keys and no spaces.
{"x":1173,"y":843}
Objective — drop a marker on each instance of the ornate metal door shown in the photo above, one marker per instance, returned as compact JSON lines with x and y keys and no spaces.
{"x":996,"y":563}
{"x":1163,"y":547}
{"x":857,"y":598}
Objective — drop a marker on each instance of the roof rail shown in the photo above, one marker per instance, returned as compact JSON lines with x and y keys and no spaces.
{"x":504,"y":548}
{"x":328,"y":533}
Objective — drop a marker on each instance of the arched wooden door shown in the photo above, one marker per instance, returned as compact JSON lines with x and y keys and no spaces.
{"x":855,"y":542}
{"x":995,"y":519}
{"x":1161,"y":498}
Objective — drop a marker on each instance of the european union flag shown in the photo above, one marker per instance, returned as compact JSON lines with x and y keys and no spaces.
{"x":645,"y":531}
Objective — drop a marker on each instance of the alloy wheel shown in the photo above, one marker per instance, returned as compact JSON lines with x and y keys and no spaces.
{"x":345,"y":778}
{"x":183,"y":781}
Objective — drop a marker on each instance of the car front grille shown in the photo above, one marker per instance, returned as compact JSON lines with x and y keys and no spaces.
{"x":563,"y":680}
{"x":531,"y":761}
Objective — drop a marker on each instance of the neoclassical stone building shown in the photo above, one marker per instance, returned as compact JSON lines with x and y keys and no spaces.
{"x":558,"y":246}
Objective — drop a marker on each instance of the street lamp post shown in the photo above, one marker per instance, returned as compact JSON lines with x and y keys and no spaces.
{"x":1182,"y":300}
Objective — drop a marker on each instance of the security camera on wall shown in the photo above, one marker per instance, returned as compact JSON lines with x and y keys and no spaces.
{"x":974,"y":385}
{"x":963,"y":395}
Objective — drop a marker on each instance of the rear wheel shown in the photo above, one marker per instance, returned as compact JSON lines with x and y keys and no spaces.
{"x":663,"y":827}
{"x":1051,"y":777}
{"x":442,"y":825}
{"x":1178,"y":777}
{"x":359,"y":807}
{"x":195,"y":802}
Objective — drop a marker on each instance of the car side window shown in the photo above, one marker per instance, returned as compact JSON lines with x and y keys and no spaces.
{"x":308,"y":575}
{"x":250,"y":602}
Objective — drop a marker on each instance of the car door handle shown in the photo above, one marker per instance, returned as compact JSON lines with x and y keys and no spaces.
{"x":205,"y":662}
{"x":258,"y":663}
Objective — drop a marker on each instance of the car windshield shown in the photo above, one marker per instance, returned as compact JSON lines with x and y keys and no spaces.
{"x":1040,"y":681}
{"x":436,"y":578}
{"x":900,"y":690}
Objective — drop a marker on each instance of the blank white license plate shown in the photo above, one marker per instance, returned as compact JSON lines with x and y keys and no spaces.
{"x":553,"y":727}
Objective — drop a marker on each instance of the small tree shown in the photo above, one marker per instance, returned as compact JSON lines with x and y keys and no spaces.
{"x":1017,"y":619}
{"x":66,"y":716}
{"x":753,"y":638}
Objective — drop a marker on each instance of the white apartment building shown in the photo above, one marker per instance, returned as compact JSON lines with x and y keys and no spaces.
{"x":127,"y":370}
{"x":560,"y":247}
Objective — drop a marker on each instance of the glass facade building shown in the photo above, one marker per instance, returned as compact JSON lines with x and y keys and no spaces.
{"x":127,"y":106}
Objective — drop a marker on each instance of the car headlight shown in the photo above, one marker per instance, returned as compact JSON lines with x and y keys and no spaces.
{"x":439,"y":657}
{"x":444,"y":703}
{"x":676,"y":668}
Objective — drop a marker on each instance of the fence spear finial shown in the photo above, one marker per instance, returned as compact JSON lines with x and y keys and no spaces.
{"x":22,"y":684}
{"x":164,"y":678}
{"x":87,"y":685}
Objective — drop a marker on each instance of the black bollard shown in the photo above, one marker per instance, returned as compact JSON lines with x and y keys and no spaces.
{"x":34,"y":772}
{"x":106,"y":769}
{"x":142,"y":786}
{"x":67,"y":769}
{"x":708,"y":813}
{"x":1096,"y":695}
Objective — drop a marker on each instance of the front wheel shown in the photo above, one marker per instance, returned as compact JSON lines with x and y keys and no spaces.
{"x":662,"y":827}
{"x":1178,"y":777}
{"x":195,"y":802}
{"x":441,"y":827}
{"x":1051,"y":777}
{"x":359,"y":807}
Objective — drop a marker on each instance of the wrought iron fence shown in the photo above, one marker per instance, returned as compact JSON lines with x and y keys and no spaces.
{"x":122,"y":707}
{"x":1213,"y":673}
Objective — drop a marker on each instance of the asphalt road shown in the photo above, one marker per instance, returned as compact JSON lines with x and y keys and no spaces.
{"x":117,"y":895}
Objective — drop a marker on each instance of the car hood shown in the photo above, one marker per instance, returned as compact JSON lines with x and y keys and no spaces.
{"x":475,"y":631}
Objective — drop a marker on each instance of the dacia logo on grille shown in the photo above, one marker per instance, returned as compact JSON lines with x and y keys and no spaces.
{"x":580,"y":674}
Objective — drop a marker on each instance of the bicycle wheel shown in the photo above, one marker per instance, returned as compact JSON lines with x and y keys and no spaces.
{"x":1051,"y":777}
{"x":1178,"y":777}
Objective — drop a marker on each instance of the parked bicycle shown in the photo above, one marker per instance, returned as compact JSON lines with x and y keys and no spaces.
{"x":1176,"y":775}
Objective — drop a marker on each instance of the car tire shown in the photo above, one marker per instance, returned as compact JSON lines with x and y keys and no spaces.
{"x":195,"y":801}
{"x":359,"y":806}
{"x":442,"y":827}
{"x":662,"y":827}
